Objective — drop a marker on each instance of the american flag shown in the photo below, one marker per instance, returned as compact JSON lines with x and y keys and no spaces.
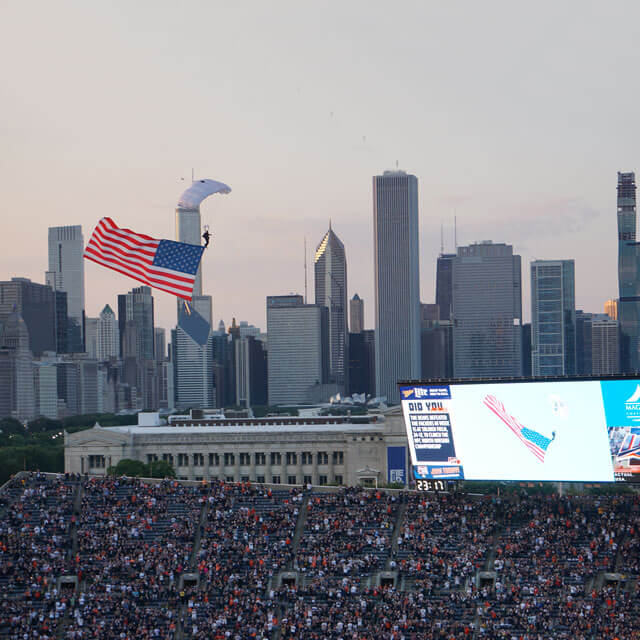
{"x":163,"y":264}
{"x":630,"y":447}
{"x":534,"y":441}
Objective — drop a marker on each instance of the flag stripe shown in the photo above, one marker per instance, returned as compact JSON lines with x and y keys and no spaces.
{"x":133,"y":254}
{"x":499,"y":409}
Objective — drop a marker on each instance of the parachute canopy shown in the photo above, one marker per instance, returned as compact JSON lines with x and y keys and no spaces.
{"x":199,"y":190}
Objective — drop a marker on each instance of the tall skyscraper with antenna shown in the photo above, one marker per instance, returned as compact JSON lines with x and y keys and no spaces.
{"x":330,"y":270}
{"x":397,"y":281}
{"x":628,"y":273}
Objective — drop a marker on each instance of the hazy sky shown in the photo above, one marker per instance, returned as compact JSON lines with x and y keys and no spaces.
{"x":514,"y":116}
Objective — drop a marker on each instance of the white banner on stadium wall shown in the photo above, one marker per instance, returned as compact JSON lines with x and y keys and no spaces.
{"x":569,"y":430}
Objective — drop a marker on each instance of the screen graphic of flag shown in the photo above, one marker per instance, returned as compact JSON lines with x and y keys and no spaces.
{"x":630,"y":447}
{"x":163,"y":264}
{"x":534,"y":441}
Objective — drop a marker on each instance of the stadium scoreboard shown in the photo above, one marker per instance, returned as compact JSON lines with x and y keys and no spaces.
{"x":569,"y":430}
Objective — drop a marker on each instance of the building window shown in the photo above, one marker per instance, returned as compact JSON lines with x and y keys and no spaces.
{"x":307,"y":457}
{"x":245,"y":478}
{"x":323,"y":457}
{"x":214,"y":460}
{"x":292,"y":458}
{"x":307,"y":480}
{"x":338,"y":457}
{"x":198,"y":459}
{"x":183,"y":459}
{"x":152,"y":457}
{"x":96,"y":462}
{"x":261,"y":458}
{"x":292,"y":480}
{"x":245,"y":458}
{"x":229,"y":478}
{"x":260,"y":479}
{"x":168,"y":457}
{"x":198,"y":478}
{"x":322,"y":480}
{"x":275,"y":480}
{"x":229,"y":459}
{"x":276,"y":458}
{"x":339,"y":479}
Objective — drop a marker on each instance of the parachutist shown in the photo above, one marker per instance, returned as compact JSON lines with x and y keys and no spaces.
{"x":206,"y":236}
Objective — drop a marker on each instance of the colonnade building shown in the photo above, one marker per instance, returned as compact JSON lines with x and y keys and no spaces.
{"x":360,"y":450}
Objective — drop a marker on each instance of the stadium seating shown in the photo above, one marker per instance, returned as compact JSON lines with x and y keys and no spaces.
{"x":101,"y":558}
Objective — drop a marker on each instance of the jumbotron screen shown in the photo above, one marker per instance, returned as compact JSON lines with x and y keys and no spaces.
{"x":569,"y":430}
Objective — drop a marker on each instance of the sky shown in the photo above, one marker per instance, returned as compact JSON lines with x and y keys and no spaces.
{"x":514,"y":117}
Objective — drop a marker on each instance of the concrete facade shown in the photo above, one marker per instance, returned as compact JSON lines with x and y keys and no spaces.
{"x":274,"y":450}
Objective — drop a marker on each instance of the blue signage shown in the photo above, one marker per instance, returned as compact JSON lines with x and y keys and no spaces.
{"x":397,"y":465}
{"x":621,"y":400}
{"x":425,"y":393}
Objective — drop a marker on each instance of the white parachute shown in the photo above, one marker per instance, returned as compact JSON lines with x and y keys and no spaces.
{"x":199,"y":190}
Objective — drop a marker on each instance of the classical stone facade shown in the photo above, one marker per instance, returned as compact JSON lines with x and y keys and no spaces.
{"x":313,"y":451}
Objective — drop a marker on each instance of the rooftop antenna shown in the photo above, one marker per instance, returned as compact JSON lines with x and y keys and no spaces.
{"x":396,"y":165}
{"x":441,"y":238}
{"x":305,"y":269}
{"x":192,"y":178}
{"x":455,"y":232}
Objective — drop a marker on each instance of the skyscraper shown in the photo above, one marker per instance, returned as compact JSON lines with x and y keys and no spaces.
{"x":16,"y":372}
{"x":444,"y":284}
{"x":628,"y":273}
{"x":330,"y":270}
{"x":298,"y":357}
{"x":553,"y":318}
{"x":605,"y":346}
{"x":37,"y":306}
{"x":91,"y":337}
{"x":356,"y":314}
{"x":611,"y":308}
{"x":135,"y":323}
{"x":108,"y":335}
{"x":397,"y":281}
{"x":487,"y":311}
{"x":66,"y":273}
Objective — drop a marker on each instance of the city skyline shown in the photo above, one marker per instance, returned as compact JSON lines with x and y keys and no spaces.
{"x":508,"y":148}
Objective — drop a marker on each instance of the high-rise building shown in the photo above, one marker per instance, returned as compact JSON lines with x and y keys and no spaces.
{"x":362,"y":362}
{"x":160,"y":345}
{"x":553,"y":318}
{"x":526,"y":350}
{"x":46,"y":386}
{"x":36,"y":304}
{"x":330,"y":268}
{"x":16,"y":364}
{"x":584,"y":364}
{"x":108,"y":335}
{"x":356,"y":314}
{"x":298,"y":358}
{"x":429,"y":315}
{"x":66,"y":273}
{"x":628,"y":273}
{"x":250,"y":371}
{"x":611,"y":308}
{"x":91,"y":337}
{"x":135,"y":320}
{"x":487,"y":311}
{"x":444,"y":284}
{"x":397,"y":281}
{"x":605,"y":345}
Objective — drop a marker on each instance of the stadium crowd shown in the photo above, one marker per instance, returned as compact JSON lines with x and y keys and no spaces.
{"x":169,"y":560}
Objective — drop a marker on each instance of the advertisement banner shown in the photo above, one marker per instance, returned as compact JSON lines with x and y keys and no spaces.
{"x":569,"y":430}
